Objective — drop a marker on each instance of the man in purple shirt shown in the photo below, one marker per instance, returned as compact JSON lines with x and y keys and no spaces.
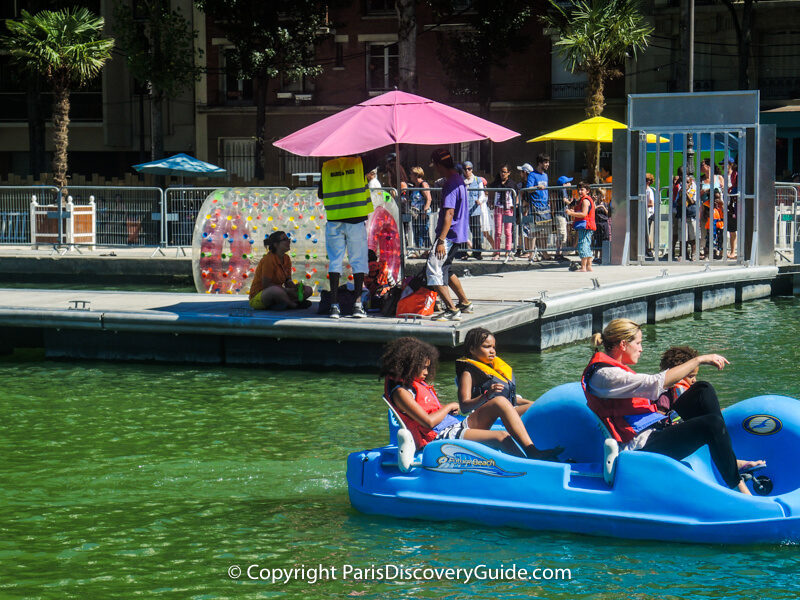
{"x":452,"y":229}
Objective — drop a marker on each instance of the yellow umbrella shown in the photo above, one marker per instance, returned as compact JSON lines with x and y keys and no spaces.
{"x":595,"y":129}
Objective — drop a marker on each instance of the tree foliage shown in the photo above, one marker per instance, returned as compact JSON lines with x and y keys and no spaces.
{"x":493,"y":30}
{"x":173,"y":68}
{"x":68,"y":49}
{"x":595,"y":38}
{"x":269,"y":40}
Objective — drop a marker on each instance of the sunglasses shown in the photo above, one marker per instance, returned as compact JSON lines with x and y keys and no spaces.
{"x":468,"y":168}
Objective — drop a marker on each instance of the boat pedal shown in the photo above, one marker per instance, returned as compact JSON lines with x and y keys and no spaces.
{"x":762,"y":485}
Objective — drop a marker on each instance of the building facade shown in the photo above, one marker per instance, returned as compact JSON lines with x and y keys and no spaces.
{"x":531,"y":93}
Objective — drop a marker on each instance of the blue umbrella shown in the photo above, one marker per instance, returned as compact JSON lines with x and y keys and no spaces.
{"x":181,"y":165}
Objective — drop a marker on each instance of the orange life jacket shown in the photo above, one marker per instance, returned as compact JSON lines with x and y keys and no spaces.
{"x":612,"y":411}
{"x":377,"y":279}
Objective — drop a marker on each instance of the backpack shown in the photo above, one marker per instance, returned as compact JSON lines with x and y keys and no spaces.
{"x":347,"y":301}
{"x":415,"y":298}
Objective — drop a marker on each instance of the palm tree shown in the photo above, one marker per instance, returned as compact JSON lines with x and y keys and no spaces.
{"x":67,"y":49}
{"x":596,"y":37}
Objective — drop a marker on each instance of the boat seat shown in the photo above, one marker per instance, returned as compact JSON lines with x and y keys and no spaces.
{"x":561,"y":417}
{"x":400,"y":435}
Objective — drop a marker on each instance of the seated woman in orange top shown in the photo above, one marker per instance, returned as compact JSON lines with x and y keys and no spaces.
{"x":272,"y":286}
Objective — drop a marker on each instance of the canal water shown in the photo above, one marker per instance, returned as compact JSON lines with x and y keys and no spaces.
{"x":123,"y":481}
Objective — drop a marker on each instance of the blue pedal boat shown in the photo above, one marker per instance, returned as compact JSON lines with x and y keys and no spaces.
{"x":636,"y":495}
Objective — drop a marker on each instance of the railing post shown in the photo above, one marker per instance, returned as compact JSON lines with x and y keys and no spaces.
{"x":93,"y":218}
{"x":70,"y":233}
{"x":33,"y":206}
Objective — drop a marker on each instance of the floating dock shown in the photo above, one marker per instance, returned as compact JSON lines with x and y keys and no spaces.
{"x":532,"y":310}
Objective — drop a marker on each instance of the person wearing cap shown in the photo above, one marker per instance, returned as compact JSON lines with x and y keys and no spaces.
{"x":523,"y":202}
{"x":559,"y":204}
{"x":476,"y":197}
{"x":452,"y":228}
{"x":347,"y":205}
{"x":540,"y":206}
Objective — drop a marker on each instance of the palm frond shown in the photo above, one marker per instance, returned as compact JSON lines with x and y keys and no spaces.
{"x":598,"y":31}
{"x":68,"y":42}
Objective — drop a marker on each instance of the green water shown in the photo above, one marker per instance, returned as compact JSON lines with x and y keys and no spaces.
{"x":126,"y":481}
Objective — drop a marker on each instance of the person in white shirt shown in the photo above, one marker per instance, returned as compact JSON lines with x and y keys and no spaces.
{"x":626,"y":403}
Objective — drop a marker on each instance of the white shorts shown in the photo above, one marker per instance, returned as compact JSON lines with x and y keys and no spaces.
{"x":437,"y":270}
{"x":352,"y":237}
{"x":561,"y":227}
{"x":454,"y":432}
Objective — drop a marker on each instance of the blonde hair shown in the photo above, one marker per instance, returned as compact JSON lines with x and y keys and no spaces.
{"x":418,"y":171}
{"x":649,"y":178}
{"x":616,"y":331}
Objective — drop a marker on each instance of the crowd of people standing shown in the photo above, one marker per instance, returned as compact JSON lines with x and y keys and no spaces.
{"x":524,"y":216}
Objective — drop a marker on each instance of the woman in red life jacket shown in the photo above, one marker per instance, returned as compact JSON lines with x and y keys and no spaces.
{"x":408,"y":365}
{"x":625,"y":402}
{"x":584,"y":224}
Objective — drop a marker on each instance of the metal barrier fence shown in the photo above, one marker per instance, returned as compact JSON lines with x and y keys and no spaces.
{"x":536,"y":219}
{"x":125,"y":215}
{"x":15,"y":211}
{"x":787,"y":221}
{"x":151,"y":217}
{"x":181,"y":208}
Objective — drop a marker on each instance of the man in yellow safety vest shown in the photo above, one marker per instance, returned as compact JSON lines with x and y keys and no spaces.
{"x":347,"y":204}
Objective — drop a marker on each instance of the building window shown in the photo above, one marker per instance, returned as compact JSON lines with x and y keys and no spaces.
{"x":382,"y":66}
{"x":303,"y":85}
{"x":779,"y":76}
{"x":339,"y":62}
{"x":379,"y":7}
{"x":232,"y":90}
{"x":238,"y":156}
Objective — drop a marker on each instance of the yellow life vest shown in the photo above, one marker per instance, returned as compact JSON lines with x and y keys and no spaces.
{"x":344,"y":189}
{"x":500,"y":371}
{"x":499,"y":368}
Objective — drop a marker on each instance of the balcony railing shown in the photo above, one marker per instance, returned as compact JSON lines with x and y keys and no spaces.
{"x":565,"y":91}
{"x":700,"y":85}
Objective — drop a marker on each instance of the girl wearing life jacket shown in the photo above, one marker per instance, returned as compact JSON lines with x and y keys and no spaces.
{"x":486,"y":386}
{"x":482,"y":375}
{"x":625,"y":402}
{"x":584,"y":224}
{"x":408,"y":365}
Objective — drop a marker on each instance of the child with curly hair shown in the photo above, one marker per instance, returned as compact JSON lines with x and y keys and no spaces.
{"x":675,"y":357}
{"x":408,"y":366}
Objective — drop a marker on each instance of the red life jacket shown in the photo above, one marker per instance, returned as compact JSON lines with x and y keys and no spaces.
{"x":612,"y":411}
{"x":425,"y":396}
{"x":591,"y":224}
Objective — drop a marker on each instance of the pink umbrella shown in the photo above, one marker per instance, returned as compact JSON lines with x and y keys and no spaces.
{"x":392,"y":118}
